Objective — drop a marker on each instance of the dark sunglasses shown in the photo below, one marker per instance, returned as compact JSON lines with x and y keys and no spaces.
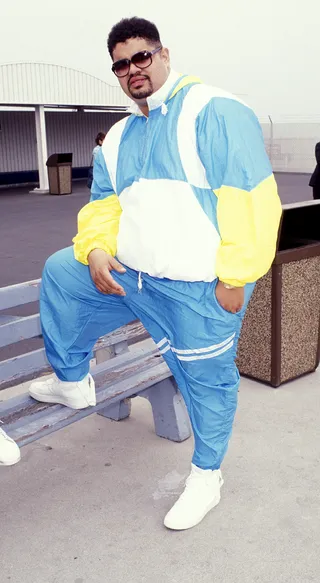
{"x":142,"y":60}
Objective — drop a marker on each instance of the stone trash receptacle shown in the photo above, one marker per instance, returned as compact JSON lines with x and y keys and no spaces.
{"x":280,"y":338}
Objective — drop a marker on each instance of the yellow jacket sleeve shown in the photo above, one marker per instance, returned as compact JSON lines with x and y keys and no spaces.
{"x":248,"y":223}
{"x":248,"y":208}
{"x":98,"y":221}
{"x":98,"y":226}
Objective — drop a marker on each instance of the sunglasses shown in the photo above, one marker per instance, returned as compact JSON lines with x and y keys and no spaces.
{"x":142,"y":60}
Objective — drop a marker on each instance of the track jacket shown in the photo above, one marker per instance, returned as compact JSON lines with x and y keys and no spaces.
{"x":187,"y":193}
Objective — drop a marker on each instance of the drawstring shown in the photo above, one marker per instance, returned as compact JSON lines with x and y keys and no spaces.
{"x":164,"y":109}
{"x":139,"y":282}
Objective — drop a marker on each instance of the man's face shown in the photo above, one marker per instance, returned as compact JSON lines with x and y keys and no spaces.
{"x":140,"y":83}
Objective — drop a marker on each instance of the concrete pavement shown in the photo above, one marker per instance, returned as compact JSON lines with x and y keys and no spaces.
{"x":85,"y":505}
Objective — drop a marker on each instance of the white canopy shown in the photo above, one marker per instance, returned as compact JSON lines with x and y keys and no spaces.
{"x":43,"y":84}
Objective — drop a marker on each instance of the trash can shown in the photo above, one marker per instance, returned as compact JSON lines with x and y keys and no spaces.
{"x":280,"y":338}
{"x":60,"y":173}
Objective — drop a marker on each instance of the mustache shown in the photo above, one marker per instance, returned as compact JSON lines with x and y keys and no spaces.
{"x":137,"y":76}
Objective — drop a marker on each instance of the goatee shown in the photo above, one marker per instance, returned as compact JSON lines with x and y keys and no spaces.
{"x":142,"y":93}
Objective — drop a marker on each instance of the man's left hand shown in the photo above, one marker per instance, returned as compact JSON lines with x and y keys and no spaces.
{"x":231,"y":300}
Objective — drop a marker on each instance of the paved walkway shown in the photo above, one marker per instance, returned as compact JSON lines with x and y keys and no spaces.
{"x":33,"y":226}
{"x":86,"y":504}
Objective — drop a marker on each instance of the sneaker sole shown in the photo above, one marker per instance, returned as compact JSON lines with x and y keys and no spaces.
{"x":72,"y":404}
{"x":11,"y":462}
{"x":213,"y":504}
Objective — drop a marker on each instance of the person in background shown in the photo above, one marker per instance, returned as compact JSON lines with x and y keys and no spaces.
{"x":315,"y":178}
{"x":99,"y":141}
{"x":183,"y":219}
{"x":9,"y":450}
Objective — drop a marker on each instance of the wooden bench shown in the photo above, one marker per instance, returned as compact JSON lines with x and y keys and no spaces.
{"x":127,"y":364}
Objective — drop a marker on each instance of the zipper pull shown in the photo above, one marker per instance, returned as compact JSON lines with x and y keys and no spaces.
{"x":139,"y":283}
{"x":164,"y":109}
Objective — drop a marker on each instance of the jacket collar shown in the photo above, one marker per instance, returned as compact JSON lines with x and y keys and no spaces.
{"x":158,"y":98}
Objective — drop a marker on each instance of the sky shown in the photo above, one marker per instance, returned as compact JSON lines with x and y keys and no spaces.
{"x":266,"y":51}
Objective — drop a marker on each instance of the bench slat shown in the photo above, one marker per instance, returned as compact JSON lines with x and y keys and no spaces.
{"x":65,"y":416}
{"x":7,"y":318}
{"x":17,"y":405}
{"x":20,"y":329}
{"x":19,"y":294}
{"x":123,"y":380}
{"x":32,"y":364}
{"x":20,"y":368}
{"x":133,"y":331}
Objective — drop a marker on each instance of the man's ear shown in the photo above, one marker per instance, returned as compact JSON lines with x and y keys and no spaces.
{"x":165,"y":55}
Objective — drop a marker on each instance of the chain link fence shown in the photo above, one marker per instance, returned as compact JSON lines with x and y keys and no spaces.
{"x":290,"y":142}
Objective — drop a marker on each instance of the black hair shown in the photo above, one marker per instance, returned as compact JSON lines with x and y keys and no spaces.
{"x":100,"y":137}
{"x":132,"y":28}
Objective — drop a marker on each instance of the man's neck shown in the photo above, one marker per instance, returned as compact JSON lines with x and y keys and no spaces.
{"x":142,"y":105}
{"x":144,"y":108}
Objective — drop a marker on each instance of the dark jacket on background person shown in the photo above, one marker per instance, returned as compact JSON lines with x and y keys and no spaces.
{"x":315,"y":178}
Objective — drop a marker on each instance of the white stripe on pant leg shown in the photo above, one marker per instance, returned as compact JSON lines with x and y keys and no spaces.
{"x":210,"y":355}
{"x":164,"y":350}
{"x":162,"y":342}
{"x":203,"y":350}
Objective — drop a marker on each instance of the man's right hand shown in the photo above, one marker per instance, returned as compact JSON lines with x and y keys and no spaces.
{"x":100,"y":264}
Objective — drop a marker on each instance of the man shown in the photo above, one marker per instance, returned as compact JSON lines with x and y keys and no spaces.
{"x":315,"y":178}
{"x":183,"y":220}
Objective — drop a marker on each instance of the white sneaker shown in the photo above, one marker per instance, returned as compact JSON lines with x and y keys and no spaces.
{"x":76,"y":395}
{"x":201,"y":494}
{"x":9,"y":450}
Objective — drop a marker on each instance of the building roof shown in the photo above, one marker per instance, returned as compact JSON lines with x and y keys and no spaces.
{"x":32,"y":84}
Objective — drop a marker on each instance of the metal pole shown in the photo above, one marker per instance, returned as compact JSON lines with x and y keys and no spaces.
{"x":271,"y":140}
{"x":41,"y":149}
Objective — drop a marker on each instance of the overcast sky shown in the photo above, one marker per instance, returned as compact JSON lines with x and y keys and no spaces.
{"x":268,"y":51}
